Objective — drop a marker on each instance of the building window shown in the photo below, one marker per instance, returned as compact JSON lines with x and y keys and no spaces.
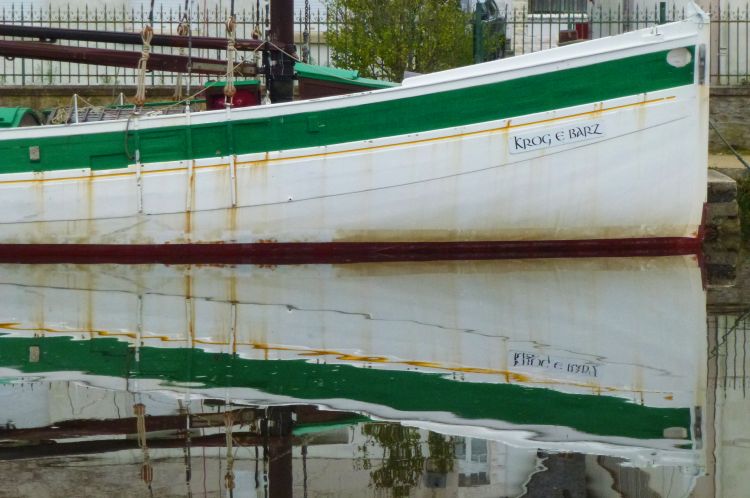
{"x":558,"y":6}
{"x":473,"y":479}
{"x":459,"y":448}
{"x":478,"y":450}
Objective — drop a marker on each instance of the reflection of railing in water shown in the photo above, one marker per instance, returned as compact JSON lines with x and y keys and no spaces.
{"x":728,"y":350}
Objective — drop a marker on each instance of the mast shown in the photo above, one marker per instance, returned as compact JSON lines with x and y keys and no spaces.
{"x":281,"y":62}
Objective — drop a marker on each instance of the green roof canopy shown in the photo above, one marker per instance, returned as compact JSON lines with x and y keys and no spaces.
{"x":15,"y":117}
{"x":345,"y":76}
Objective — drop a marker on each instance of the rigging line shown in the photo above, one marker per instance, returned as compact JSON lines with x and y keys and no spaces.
{"x":88,"y":103}
{"x":284,"y":52}
{"x":744,"y":362}
{"x":183,"y":28}
{"x":304,"y":470}
{"x":732,"y":149}
{"x":264,"y":432}
{"x":726,"y":369}
{"x":114,"y":87}
{"x":740,"y":319}
{"x":187,"y":101}
{"x":229,"y":477}
{"x":188,"y":444}
{"x":257,"y":481}
{"x":734,"y":383}
{"x":205,"y":489}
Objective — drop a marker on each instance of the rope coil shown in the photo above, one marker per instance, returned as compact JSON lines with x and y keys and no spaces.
{"x":229,"y":476}
{"x":183,"y":29}
{"x":147,"y":471}
{"x":229,"y":89}
{"x":146,"y":35}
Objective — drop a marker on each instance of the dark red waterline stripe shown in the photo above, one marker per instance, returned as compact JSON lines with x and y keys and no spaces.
{"x":342,"y":252}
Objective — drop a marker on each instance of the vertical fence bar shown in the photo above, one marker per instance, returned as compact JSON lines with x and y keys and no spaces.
{"x":523,"y":29}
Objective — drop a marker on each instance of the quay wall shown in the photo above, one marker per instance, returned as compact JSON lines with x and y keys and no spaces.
{"x":43,"y":97}
{"x":730,"y":113}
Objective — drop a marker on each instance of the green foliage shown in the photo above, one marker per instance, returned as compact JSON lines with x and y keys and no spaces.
{"x":402,"y":461}
{"x":442,"y":452}
{"x":384,"y":38}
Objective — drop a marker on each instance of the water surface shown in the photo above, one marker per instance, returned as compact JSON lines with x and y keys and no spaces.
{"x":546,"y":377}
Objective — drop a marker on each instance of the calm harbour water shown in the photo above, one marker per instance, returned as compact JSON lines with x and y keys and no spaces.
{"x":538,"y":378}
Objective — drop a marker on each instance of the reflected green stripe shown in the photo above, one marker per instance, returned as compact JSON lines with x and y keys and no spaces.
{"x":538,"y":93}
{"x":400,"y":390}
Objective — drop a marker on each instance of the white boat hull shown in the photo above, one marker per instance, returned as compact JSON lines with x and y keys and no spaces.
{"x":632,"y":167}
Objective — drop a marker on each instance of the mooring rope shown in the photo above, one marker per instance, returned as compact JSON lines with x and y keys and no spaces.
{"x":185,"y":410}
{"x":61,"y":115}
{"x":140,"y":95}
{"x":732,"y":149}
{"x":183,"y":29}
{"x":229,"y":89}
{"x":147,"y":471}
{"x":229,"y":476}
{"x":146,"y":35}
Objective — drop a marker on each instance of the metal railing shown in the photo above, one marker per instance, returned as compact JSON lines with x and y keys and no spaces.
{"x":525,"y":31}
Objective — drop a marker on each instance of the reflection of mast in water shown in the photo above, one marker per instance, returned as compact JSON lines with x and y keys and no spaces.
{"x":147,"y":471}
{"x":229,"y":476}
{"x":148,"y":435}
{"x":276,"y":429}
{"x":185,"y":411}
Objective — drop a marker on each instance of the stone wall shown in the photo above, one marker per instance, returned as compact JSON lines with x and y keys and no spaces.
{"x":43,"y":97}
{"x":730,"y":112}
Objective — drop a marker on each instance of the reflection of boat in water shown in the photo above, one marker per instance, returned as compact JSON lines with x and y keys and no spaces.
{"x":558,"y":354}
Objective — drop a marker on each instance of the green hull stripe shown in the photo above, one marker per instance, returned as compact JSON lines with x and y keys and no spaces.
{"x":400,"y":390}
{"x":532,"y":94}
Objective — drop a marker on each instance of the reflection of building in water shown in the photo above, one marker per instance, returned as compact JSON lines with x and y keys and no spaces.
{"x":727,"y":430}
{"x":346,"y":457}
{"x":472,"y":462}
